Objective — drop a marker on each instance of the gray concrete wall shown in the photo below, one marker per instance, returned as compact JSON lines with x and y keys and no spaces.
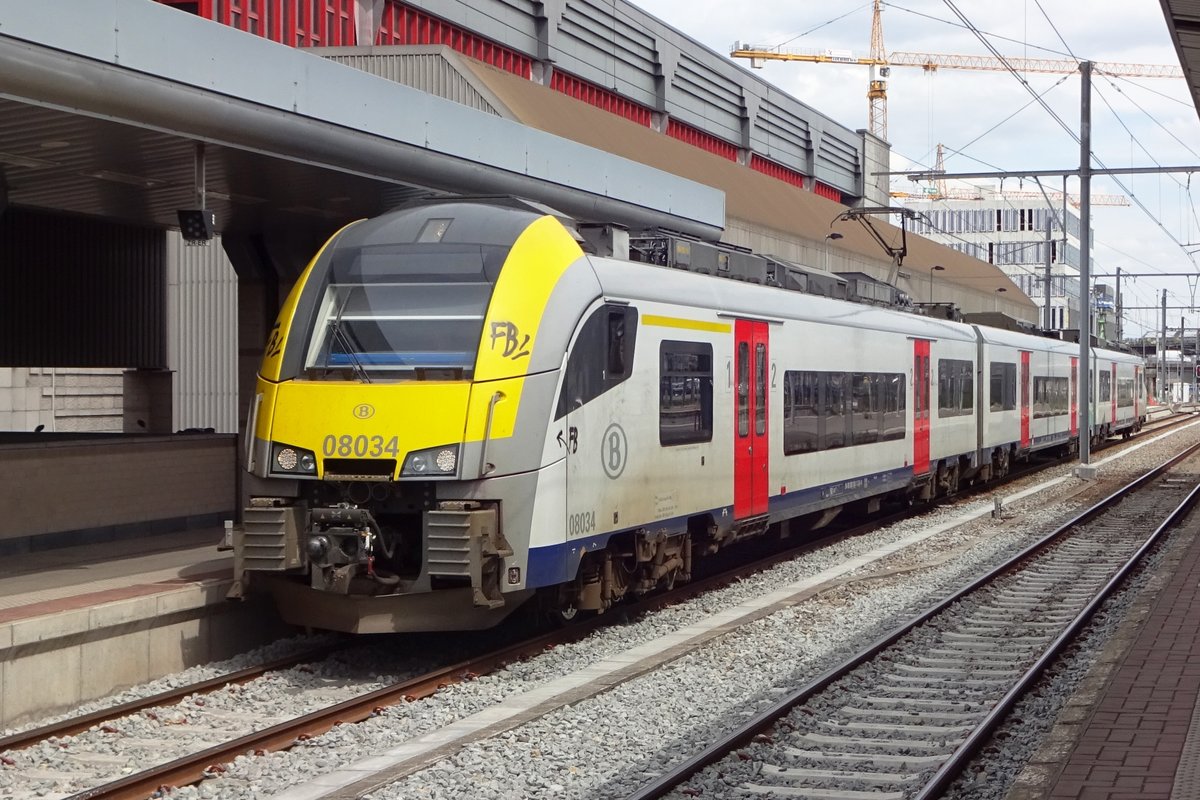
{"x":49,"y":487}
{"x":55,"y":662}
{"x":60,"y":399}
{"x":202,"y":335}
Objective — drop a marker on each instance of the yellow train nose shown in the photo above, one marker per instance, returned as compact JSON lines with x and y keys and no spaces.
{"x":345,"y":424}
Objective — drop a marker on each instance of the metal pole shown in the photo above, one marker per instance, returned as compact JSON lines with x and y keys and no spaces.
{"x":1049,"y":247}
{"x":1119,"y":332}
{"x":1162,"y":351}
{"x":200,"y":172}
{"x":1085,"y":269}
{"x":1195,"y":366}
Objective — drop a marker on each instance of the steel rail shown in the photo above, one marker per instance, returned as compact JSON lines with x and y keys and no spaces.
{"x":78,"y":724}
{"x":747,"y":731}
{"x":191,"y":769}
{"x":975,"y":741}
{"x":195,"y":767}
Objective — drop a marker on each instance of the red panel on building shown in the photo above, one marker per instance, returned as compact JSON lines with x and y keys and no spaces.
{"x":201,"y":8}
{"x":596,"y":96}
{"x":307,"y":24}
{"x":316,"y":23}
{"x":777,"y":171}
{"x":705,"y":141}
{"x":403,"y":24}
{"x":828,"y":192}
{"x":330,"y":23}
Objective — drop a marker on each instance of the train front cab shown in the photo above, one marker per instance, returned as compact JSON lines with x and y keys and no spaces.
{"x":399,"y":421}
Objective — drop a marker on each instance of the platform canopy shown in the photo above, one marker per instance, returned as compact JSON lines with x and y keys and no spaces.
{"x":1183,"y":21}
{"x":102,"y":106}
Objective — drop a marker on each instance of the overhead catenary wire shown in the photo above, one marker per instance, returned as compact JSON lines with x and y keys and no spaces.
{"x":1011,"y":70}
{"x":1062,"y":48}
{"x":1165,"y":129}
{"x":991,"y":48}
{"x":960,"y":26}
{"x":822,"y":25}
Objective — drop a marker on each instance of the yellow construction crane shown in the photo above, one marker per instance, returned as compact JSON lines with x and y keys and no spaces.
{"x":881,"y":63}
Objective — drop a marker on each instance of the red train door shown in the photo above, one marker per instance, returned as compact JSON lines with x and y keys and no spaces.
{"x":920,"y":406}
{"x":1112,"y":393}
{"x":1025,"y":412}
{"x":1137,"y":391}
{"x":750,"y":399}
{"x":1074,"y":379}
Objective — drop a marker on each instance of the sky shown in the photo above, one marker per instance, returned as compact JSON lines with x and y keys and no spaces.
{"x":990,"y":121}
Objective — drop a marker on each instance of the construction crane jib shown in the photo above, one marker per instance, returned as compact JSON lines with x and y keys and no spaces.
{"x":881,"y":63}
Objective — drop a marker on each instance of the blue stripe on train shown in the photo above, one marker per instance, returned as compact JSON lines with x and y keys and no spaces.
{"x":559,"y":562}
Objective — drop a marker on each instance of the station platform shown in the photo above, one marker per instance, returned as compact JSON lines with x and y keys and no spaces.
{"x":33,"y":584}
{"x":79,"y":623}
{"x":1132,"y":729}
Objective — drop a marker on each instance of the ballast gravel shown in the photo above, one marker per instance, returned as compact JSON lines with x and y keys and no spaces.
{"x":609,"y":744}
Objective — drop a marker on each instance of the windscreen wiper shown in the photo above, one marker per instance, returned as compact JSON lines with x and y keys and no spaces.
{"x":336,"y":334}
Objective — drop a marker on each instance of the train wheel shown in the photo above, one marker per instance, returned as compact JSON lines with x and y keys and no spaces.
{"x":1000,"y":464}
{"x":565,"y":614}
{"x":560,"y":606}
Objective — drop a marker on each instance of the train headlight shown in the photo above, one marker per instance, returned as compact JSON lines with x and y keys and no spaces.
{"x":289,"y":460}
{"x":433,"y":461}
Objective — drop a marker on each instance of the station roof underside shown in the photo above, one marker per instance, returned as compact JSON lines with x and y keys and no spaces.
{"x":1183,"y":22}
{"x":100,"y":114}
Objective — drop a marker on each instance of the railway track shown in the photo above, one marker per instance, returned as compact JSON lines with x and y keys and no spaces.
{"x":78,"y":724}
{"x":255,"y":732}
{"x":268,"y":737}
{"x":902,"y":718}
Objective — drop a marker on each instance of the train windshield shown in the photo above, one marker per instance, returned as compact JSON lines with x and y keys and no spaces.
{"x":401,"y":312}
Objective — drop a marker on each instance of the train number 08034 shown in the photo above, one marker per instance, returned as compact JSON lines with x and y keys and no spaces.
{"x":579,"y":524}
{"x":360,"y":446}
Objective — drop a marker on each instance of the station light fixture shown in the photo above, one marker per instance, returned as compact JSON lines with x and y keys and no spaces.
{"x":197,"y":224}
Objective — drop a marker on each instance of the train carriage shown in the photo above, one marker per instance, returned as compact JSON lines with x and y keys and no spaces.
{"x":459,"y":409}
{"x":1119,"y":403}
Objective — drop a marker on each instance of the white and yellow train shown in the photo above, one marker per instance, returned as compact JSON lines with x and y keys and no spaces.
{"x":460,"y":409}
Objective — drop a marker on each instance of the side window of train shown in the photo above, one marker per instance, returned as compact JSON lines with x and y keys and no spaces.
{"x":1105,"y":387}
{"x":685,"y":393}
{"x":956,"y":387}
{"x":801,"y":412}
{"x":1003,"y":394}
{"x":826,"y":410}
{"x":1051,"y":397}
{"x":833,"y":406}
{"x":1124,"y":391}
{"x":616,"y":342}
{"x":601,"y":357}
